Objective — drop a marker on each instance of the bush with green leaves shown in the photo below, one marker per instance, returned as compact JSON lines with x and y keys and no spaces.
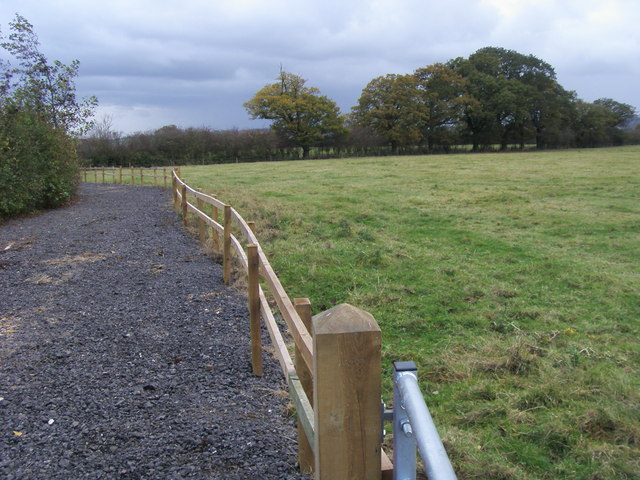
{"x":38,"y":163}
{"x":39,"y":118}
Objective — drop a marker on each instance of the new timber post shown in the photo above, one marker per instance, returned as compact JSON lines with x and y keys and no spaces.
{"x":346,"y":394}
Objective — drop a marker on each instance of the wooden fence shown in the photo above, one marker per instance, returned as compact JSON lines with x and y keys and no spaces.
{"x":334,"y":378}
{"x":157,"y":176}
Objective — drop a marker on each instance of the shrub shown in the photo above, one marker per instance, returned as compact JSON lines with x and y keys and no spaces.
{"x":38,"y":163}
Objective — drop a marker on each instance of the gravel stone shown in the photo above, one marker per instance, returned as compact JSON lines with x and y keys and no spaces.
{"x":123,"y":355}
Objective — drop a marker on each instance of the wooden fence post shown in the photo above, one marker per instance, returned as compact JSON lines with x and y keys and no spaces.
{"x":103,"y":181}
{"x":174,"y":193}
{"x":346,"y":394}
{"x":141,"y":176}
{"x":120,"y":170}
{"x":305,"y":452}
{"x":226,"y":254}
{"x":185,"y":211}
{"x":215,"y":239}
{"x":133,"y":178}
{"x":202,"y":231}
{"x":164,"y":176}
{"x":254,"y":308}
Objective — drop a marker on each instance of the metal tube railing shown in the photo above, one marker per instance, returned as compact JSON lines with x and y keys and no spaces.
{"x":413,"y":426}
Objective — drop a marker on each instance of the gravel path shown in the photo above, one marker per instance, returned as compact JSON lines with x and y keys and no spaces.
{"x":123,"y":355}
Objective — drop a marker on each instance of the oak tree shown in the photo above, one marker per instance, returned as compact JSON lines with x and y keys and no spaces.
{"x":442,"y":97}
{"x":620,"y":114}
{"x":390,"y":106}
{"x":516,"y":96}
{"x":300,"y":115}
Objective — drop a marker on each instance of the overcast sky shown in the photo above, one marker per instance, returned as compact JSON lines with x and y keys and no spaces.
{"x":194,"y":62}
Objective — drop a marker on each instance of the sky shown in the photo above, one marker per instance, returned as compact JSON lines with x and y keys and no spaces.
{"x":193,"y":63}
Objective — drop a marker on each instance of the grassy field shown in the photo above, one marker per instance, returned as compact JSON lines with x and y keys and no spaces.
{"x":512,"y":280}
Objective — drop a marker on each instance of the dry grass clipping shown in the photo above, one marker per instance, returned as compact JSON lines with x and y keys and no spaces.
{"x":76,"y":259}
{"x":8,"y":325}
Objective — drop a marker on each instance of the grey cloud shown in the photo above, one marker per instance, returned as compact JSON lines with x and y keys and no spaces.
{"x":199,"y":60}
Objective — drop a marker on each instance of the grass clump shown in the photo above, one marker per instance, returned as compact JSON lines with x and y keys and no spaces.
{"x":512,"y":281}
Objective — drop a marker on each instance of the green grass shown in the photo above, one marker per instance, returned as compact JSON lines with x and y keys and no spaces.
{"x":512,"y":280}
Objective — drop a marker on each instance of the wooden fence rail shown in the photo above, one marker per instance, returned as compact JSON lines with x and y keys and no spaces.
{"x":335,"y":382}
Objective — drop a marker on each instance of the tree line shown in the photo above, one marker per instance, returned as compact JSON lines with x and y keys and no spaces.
{"x":494,"y":99}
{"x":40,"y":119}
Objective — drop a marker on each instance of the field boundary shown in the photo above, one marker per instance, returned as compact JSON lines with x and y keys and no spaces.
{"x":160,"y":176}
{"x":347,"y":336}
